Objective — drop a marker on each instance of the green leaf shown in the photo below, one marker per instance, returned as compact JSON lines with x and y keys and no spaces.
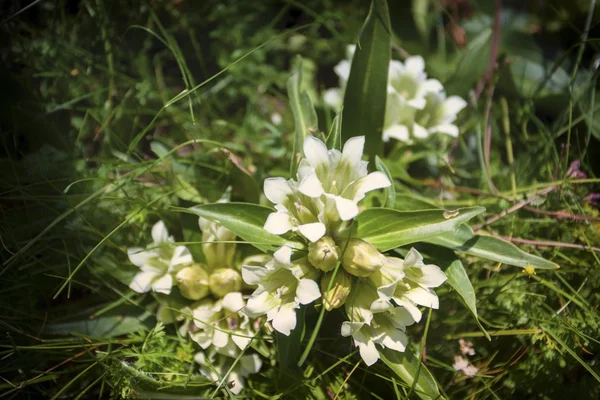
{"x":185,"y":190}
{"x":244,"y":184}
{"x":406,"y":366}
{"x":245,"y":220}
{"x":365,"y":96}
{"x":472,"y":65}
{"x":387,"y":229}
{"x":391,"y":190}
{"x":305,"y":116}
{"x":489,"y":247}
{"x":117,"y":322}
{"x":288,"y":347}
{"x":334,"y":139}
{"x":459,"y":280}
{"x":420,"y":14}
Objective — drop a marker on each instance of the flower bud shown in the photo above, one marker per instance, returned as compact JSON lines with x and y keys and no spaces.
{"x":362,"y":258}
{"x":340,"y":289}
{"x":324,"y":254}
{"x":225,"y":280}
{"x":192,"y":282}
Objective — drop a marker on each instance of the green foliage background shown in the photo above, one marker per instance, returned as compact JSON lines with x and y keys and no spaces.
{"x":113,"y":112}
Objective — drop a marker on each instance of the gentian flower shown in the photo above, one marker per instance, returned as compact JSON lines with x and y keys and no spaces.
{"x":282,"y":286}
{"x":158,"y":263}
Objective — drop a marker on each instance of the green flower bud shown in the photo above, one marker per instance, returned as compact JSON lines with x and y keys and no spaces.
{"x":225,"y":280}
{"x":340,"y":289}
{"x":324,"y":254}
{"x":362,"y":258}
{"x":192,"y":282}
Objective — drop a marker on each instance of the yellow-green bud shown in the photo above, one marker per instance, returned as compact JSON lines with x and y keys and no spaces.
{"x":225,"y":280}
{"x":340,"y":289}
{"x":192,"y":282}
{"x":362,"y":258}
{"x":324,"y":254}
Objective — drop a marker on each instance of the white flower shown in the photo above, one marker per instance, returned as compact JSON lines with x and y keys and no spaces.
{"x":330,"y":185}
{"x":374,"y":321}
{"x":158,"y":263}
{"x":415,"y":106}
{"x":282,"y":287}
{"x":415,"y":287}
{"x":405,"y":123}
{"x":215,"y":367}
{"x":221,"y":324}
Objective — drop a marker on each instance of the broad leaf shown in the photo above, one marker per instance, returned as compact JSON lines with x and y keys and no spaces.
{"x":305,"y":116}
{"x":406,"y":366}
{"x":489,"y":247}
{"x":390,"y":190}
{"x":117,"y":322}
{"x":245,"y":220}
{"x":366,"y":91}
{"x":459,"y":280}
{"x":387,"y":229}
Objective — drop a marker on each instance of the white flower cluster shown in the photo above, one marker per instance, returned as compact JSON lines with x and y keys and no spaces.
{"x":214,"y":317}
{"x":416,"y":107}
{"x":381,"y":294}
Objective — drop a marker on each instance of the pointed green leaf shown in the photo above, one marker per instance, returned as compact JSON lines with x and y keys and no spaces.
{"x":406,"y":366}
{"x":489,"y":247}
{"x":245,"y":220}
{"x":387,"y":229}
{"x":391,"y":190}
{"x":459,"y":280}
{"x":366,"y":91}
{"x":288,"y":347}
{"x":334,"y":139}
{"x":305,"y":116}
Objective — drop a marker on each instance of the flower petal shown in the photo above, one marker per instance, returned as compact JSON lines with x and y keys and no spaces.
{"x":315,"y":151}
{"x":375,"y":180}
{"x":398,"y":132}
{"x":160,"y":234}
{"x":142,"y":281}
{"x":346,"y":208}
{"x":261,"y":304}
{"x":413,"y":310}
{"x":311,"y":185}
{"x":313,"y":231}
{"x":353,"y":149}
{"x":342,"y":69}
{"x":333,"y":98}
{"x":366,"y":347}
{"x":233,"y":302}
{"x":423,"y":297}
{"x":276,"y":190}
{"x":394,"y":339}
{"x":139,"y":257}
{"x":163,"y":284}
{"x":447,"y":129}
{"x":283,"y":255}
{"x":241,"y":341}
{"x":307,"y":291}
{"x":285,"y":320}
{"x":181,"y":256}
{"x":432,"y":276}
{"x":453,"y":105}
{"x":415,"y":66}
{"x":419,"y":131}
{"x":413,"y":257}
{"x":350,"y":328}
{"x":250,"y":364}
{"x":252,"y":274}
{"x":431,"y":85}
{"x":278,"y":223}
{"x":220,"y":338}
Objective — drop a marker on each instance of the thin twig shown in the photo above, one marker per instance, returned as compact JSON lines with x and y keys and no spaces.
{"x":562,"y":214}
{"x":550,"y":243}
{"x":515,"y":207}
